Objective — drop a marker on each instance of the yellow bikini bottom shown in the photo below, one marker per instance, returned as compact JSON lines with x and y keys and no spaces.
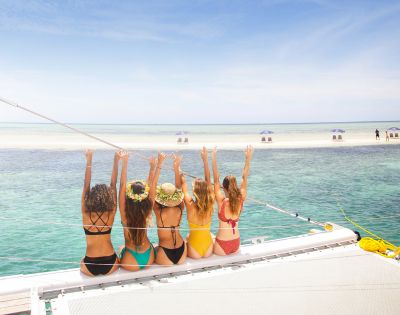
{"x":200,"y":238}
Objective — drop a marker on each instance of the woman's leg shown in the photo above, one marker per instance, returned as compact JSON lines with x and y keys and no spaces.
{"x":161,"y":257}
{"x":218,"y":249}
{"x":115,"y":267}
{"x":184,"y":255}
{"x":84,"y":269}
{"x":209,"y":251}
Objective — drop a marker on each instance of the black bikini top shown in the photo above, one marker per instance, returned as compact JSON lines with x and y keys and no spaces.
{"x":100,"y":231}
{"x":172,"y":227}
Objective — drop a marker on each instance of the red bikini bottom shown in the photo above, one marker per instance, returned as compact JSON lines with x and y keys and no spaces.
{"x":229,"y":247}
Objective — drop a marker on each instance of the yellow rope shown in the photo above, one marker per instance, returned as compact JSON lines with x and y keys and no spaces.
{"x":377,"y":244}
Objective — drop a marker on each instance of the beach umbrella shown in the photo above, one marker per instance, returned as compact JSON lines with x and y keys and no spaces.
{"x":394,"y":129}
{"x":338,"y":131}
{"x":266,"y":132}
{"x":181,"y":133}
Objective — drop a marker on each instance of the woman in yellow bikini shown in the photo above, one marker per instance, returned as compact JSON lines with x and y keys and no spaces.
{"x":199,"y":211}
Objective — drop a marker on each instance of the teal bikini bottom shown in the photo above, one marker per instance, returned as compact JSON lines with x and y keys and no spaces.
{"x":141,"y":258}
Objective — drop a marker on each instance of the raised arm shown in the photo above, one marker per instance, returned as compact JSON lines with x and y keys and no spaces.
{"x":153,"y":186}
{"x":186,"y":194}
{"x":152,"y":164}
{"x":180,"y":181}
{"x":217,"y":186}
{"x":246,"y":171}
{"x":204,"y":157}
{"x":122,"y":185}
{"x":177,"y":170}
{"x":88,"y":176}
{"x":114,"y":174}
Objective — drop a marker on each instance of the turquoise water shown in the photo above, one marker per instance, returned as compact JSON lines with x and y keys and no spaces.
{"x":39,"y":186}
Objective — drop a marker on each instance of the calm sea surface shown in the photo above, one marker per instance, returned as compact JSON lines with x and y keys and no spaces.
{"x":40,"y":195}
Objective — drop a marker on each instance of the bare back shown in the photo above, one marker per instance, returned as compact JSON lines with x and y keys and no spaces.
{"x":227,"y":230}
{"x":168,"y":221}
{"x":95,"y":222}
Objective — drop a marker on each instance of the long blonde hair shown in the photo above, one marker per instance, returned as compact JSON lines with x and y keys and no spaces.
{"x":204,"y":197}
{"x":234,"y":194}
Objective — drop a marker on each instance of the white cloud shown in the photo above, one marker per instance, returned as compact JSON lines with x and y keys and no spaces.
{"x":294,"y":75}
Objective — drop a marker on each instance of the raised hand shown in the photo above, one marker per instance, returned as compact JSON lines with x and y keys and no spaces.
{"x":214,"y":152}
{"x":177,"y":160}
{"x":249,"y":152}
{"x":118,"y":154}
{"x":204,"y":154}
{"x":89,"y":155}
{"x":123,"y":155}
{"x":161,"y":158}
{"x":152,"y":162}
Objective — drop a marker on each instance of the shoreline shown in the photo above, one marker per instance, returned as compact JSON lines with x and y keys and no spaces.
{"x":239,"y":145}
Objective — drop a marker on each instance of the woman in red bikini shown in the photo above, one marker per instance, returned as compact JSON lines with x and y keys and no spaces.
{"x":230,"y":205}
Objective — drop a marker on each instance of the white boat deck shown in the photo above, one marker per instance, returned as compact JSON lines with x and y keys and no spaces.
{"x":313,"y":273}
{"x":342,"y":280}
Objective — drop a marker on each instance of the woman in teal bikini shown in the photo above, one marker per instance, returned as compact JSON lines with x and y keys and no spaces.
{"x":136,"y":201}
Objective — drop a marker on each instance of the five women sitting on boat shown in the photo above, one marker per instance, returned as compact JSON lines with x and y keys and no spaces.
{"x":138,"y":199}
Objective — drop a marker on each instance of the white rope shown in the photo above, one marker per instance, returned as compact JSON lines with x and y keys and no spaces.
{"x":41,"y":222}
{"x":14,"y":258}
{"x":66,"y":262}
{"x":292,"y":214}
{"x":14,"y":104}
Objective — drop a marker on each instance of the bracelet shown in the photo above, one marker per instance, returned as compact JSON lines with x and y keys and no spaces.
{"x":87,"y":166}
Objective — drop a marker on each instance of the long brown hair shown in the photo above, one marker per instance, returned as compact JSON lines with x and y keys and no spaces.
{"x":204,"y":197}
{"x":137,"y":213}
{"x":234,"y":194}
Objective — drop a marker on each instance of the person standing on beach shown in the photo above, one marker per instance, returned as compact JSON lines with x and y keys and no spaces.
{"x":377,"y":134}
{"x":387,"y":136}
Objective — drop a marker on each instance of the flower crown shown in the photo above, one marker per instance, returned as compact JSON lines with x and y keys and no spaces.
{"x":137,"y":197}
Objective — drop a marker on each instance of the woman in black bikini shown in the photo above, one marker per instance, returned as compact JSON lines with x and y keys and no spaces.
{"x":168,"y":209}
{"x":99,"y":205}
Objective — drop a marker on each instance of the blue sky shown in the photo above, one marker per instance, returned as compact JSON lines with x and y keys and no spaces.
{"x":201,"y":61}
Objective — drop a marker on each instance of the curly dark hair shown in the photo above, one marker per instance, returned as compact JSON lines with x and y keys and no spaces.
{"x":100,"y":198}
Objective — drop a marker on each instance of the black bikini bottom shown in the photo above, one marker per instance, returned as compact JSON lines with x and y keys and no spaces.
{"x":100,"y":265}
{"x":174,"y":254}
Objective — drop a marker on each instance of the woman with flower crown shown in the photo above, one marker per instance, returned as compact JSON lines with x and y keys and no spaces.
{"x":136,"y":200}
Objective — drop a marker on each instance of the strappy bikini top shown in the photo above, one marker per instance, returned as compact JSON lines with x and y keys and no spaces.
{"x":100,"y":231}
{"x":172,"y":227}
{"x":222,"y":217}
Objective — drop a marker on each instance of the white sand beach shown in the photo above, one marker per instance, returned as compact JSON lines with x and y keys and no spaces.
{"x":70,"y":141}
